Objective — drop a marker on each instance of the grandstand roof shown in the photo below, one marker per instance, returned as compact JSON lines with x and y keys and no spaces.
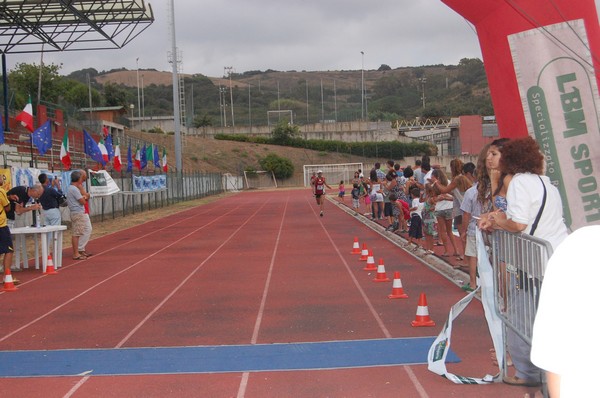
{"x":68,"y":25}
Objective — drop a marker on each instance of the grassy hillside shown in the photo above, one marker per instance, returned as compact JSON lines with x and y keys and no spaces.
{"x":390,"y":94}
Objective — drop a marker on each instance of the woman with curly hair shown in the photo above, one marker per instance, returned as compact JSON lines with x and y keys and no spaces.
{"x":529,"y":196}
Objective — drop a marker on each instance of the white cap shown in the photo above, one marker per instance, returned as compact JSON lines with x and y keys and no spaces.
{"x":319,"y":171}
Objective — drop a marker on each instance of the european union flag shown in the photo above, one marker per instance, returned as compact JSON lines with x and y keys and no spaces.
{"x":42,"y":137}
{"x":90,"y":147}
{"x":143,"y":159}
{"x":156,"y":157}
{"x":109,"y":147}
{"x":1,"y":130}
{"x":129,"y":160}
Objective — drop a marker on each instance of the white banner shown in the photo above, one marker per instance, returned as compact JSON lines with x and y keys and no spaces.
{"x":436,"y":359}
{"x":560,"y":100}
{"x":149,"y":183}
{"x":101,"y":183}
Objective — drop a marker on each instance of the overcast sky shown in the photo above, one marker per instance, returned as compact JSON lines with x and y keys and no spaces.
{"x":311,"y":35}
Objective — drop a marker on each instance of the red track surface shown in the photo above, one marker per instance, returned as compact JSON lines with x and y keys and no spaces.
{"x":253,"y":268}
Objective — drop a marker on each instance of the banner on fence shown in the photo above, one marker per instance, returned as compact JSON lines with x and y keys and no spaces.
{"x":24,"y":176}
{"x":101,"y":183}
{"x":149,"y":183}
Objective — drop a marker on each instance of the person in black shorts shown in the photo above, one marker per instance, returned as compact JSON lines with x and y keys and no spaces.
{"x":6,"y":245}
{"x":319,"y":185}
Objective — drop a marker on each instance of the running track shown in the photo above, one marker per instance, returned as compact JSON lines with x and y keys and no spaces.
{"x":253,"y":295}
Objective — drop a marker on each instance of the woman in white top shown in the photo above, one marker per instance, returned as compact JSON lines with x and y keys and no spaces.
{"x":457,"y":188}
{"x":529,"y":193}
{"x":444,"y":204}
{"x":376,"y":194}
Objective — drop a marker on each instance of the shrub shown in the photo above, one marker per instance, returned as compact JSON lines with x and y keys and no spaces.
{"x":282,"y":168}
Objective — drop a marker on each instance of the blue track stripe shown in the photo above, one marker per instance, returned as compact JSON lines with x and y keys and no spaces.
{"x":218,"y":359}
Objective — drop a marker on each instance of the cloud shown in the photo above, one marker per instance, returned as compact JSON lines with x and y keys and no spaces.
{"x":288,"y":35}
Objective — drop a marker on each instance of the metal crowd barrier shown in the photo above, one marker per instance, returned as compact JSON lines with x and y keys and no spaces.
{"x":519,"y":262}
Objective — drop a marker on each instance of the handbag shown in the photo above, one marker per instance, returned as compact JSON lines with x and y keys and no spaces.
{"x":62,"y":201}
{"x":525,"y":281}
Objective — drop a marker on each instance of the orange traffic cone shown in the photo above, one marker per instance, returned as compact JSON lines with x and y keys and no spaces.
{"x":397,"y":290}
{"x":364,"y":254}
{"x":9,"y":284}
{"x":422,"y":318}
{"x":355,"y":247}
{"x":371,"y":262}
{"x":50,"y":267}
{"x":381,"y":276}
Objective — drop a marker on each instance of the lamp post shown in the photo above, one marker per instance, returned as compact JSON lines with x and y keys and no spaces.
{"x":423,"y":80}
{"x":228,"y":69}
{"x":137,"y":74}
{"x":132,"y":107}
{"x":362,"y":86}
{"x":143,"y":102}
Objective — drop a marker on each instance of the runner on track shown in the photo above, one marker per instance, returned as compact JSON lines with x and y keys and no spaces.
{"x":319,"y":189}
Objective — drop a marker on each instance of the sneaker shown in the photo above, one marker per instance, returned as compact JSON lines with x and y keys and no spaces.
{"x":321,"y":214}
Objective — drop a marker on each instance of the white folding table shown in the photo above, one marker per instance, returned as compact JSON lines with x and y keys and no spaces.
{"x":56,"y":239}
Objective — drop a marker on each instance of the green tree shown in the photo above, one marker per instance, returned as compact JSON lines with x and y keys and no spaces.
{"x":78,"y":95}
{"x":115,"y":95}
{"x":471,"y":71}
{"x":202,"y":121}
{"x":284,"y":132}
{"x":282,"y":168}
{"x":23,"y":81}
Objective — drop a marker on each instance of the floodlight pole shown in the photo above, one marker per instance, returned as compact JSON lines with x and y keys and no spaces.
{"x":362,"y":86}
{"x":176,"y":115}
{"x":137,"y":75}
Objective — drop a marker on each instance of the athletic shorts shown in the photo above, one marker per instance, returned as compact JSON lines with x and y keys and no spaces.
{"x":6,"y":244}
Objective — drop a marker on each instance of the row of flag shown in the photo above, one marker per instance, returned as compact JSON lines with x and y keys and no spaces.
{"x":102,"y":152}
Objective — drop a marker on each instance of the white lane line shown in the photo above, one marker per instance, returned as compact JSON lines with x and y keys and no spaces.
{"x":245,"y":376}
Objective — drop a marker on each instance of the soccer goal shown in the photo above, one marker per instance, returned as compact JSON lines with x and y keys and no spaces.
{"x":274,"y":117}
{"x":232,"y":183}
{"x":334,"y":173}
{"x":259,"y":179}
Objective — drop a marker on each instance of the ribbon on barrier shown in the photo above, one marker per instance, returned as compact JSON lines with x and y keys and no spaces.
{"x":436,"y":358}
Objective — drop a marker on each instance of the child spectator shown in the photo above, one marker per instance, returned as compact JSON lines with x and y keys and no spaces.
{"x":364,"y":193}
{"x":428,"y":217}
{"x":415,"y":232}
{"x":342,"y":191}
{"x":355,"y":198}
{"x":396,"y":213}
{"x":405,"y":215}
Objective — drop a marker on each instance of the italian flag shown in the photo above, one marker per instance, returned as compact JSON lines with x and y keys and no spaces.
{"x":137,"y":158}
{"x":26,"y":116}
{"x":65,"y":158}
{"x":103,"y":150}
{"x":165,"y":167}
{"x":117,"y":159}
